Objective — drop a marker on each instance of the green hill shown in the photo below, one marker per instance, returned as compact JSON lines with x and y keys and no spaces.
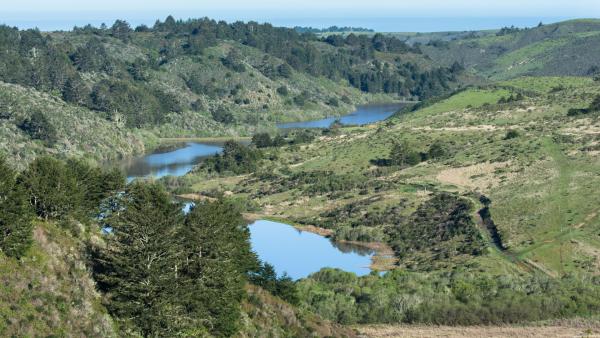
{"x":566,"y":48}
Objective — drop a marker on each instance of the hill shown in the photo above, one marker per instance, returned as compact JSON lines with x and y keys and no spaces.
{"x":491,"y":188}
{"x":198,"y":78}
{"x":513,"y":52}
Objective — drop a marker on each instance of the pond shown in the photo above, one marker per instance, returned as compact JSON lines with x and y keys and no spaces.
{"x":300,"y":253}
{"x":362,"y":115}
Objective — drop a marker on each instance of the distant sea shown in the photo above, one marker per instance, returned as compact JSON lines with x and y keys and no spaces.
{"x":66,"y":21}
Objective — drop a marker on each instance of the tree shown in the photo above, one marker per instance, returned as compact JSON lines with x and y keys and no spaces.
{"x":38,"y":127}
{"x":15,"y":214}
{"x":283,"y":91}
{"x":51,"y":189}
{"x":262,"y":140}
{"x":121,"y":30}
{"x":437,"y":150}
{"x":217,"y":258}
{"x":402,"y":154}
{"x":284,"y":70}
{"x":223,"y":115}
{"x":139,"y":269}
{"x":511,"y":134}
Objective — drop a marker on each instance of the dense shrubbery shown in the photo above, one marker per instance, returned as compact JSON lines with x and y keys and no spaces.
{"x":236,"y":158}
{"x":457,"y":298}
{"x":442,"y":226}
{"x":58,"y":189}
{"x":593,"y":108}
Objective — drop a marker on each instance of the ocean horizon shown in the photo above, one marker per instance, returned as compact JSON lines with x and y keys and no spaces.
{"x":400,"y":23}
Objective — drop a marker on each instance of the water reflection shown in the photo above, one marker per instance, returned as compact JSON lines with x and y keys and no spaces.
{"x":363,"y":115}
{"x":300,"y":253}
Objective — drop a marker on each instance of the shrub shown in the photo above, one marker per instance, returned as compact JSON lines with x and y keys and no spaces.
{"x":511,"y":134}
{"x":38,"y":127}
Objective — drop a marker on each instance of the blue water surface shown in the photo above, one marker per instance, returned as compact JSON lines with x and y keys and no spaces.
{"x":362,"y":115}
{"x":300,"y":253}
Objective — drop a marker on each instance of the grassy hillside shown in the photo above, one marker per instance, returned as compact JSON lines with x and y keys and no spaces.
{"x":522,"y":169}
{"x":540,"y":51}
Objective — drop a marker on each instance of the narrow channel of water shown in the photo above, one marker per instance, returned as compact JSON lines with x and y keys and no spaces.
{"x":362,"y":115}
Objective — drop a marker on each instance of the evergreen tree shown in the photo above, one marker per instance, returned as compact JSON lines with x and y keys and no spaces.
{"x":15,"y":214}
{"x":139,"y":267}
{"x":217,"y":257}
{"x":52,"y":190}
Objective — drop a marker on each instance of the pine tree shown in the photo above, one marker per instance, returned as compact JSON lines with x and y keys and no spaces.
{"x":139,"y":268}
{"x":15,"y":215}
{"x":51,"y":188}
{"x":218,"y":255}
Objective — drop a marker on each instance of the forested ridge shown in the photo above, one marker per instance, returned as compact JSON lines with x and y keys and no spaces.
{"x":63,"y":63}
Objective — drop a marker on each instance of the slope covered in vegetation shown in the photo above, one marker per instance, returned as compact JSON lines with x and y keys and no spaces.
{"x":481,"y":194}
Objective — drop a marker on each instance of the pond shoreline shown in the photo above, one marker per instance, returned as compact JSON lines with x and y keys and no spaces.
{"x":383,"y":258}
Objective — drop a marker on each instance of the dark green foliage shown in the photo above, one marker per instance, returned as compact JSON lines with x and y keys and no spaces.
{"x":234,"y":61}
{"x":442,"y":225}
{"x":52,"y":189}
{"x":264,"y":140}
{"x":38,"y":127}
{"x":94,"y":184}
{"x":15,"y":214}
{"x":438,"y":150}
{"x":217,"y":254}
{"x":283,"y":90}
{"x":138,"y":269}
{"x":511,"y":134}
{"x":403,"y":155}
{"x":236,"y":158}
{"x":57,"y":189}
{"x":121,"y":30}
{"x":284,"y":70}
{"x":223,"y":115}
{"x":282,"y":287}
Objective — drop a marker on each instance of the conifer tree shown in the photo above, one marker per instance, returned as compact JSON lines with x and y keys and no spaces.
{"x":138,"y":269}
{"x":15,"y":215}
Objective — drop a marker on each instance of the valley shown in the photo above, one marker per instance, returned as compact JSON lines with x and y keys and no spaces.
{"x":201,"y":178}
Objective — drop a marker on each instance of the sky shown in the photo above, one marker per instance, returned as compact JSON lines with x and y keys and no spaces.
{"x":63,"y":14}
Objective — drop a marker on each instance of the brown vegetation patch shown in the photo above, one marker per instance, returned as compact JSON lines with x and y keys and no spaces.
{"x":381,"y":331}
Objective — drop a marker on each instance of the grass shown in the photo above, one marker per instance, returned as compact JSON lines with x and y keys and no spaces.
{"x":541,"y":183}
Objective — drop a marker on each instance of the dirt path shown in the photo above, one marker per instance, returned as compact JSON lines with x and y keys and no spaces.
{"x":384,"y":331}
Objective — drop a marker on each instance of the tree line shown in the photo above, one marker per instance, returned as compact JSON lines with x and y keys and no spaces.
{"x":161,"y":272}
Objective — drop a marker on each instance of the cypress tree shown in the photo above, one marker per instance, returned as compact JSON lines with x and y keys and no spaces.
{"x":138,"y":269}
{"x":15,"y":215}
{"x":217,"y":257}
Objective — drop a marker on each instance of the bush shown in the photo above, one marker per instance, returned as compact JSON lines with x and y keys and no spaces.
{"x":511,"y":134}
{"x":223,"y":115}
{"x":38,"y":127}
{"x":283,"y":91}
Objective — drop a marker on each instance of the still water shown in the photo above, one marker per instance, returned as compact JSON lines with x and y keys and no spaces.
{"x":300,"y":253}
{"x":362,"y":115}
{"x":181,"y":161}
{"x":171,"y":163}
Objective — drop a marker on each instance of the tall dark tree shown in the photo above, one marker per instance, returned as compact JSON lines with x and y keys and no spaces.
{"x":217,"y":257}
{"x":51,"y":188}
{"x":15,"y":214}
{"x":139,"y":268}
